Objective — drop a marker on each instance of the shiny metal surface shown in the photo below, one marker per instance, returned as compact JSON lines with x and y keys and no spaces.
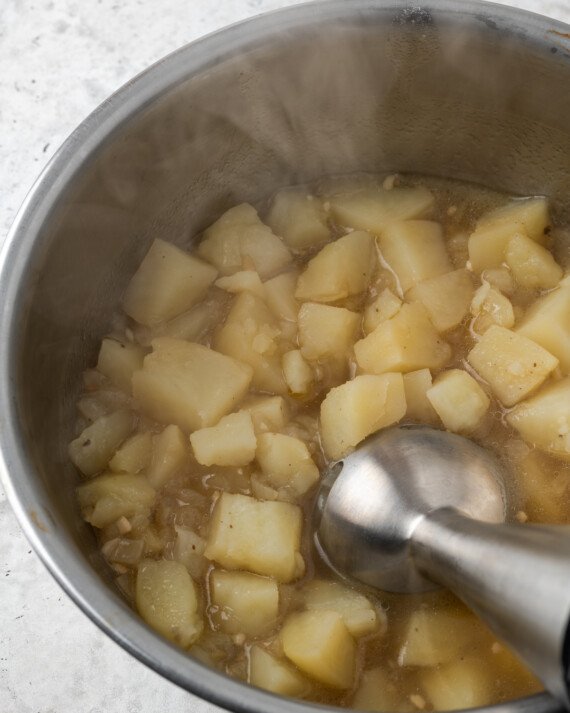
{"x":464,"y":90}
{"x":415,"y":506}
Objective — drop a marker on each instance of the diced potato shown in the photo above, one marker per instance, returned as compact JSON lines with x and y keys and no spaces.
{"x":468,"y":683}
{"x":406,"y":342}
{"x":339,"y":270}
{"x":188,"y":384}
{"x":326,"y":332}
{"x":415,"y":250}
{"x":298,"y":374}
{"x":242,"y":281}
{"x":544,"y":419}
{"x":437,"y":636}
{"x":92,"y":450}
{"x":542,"y":492}
{"x":488,"y":242}
{"x":511,"y":364}
{"x":377,"y":691}
{"x":446,"y":298}
{"x":118,"y":359}
{"x":286,"y":462}
{"x":238,"y":238}
{"x":358,"y":614}
{"x":280,"y":296}
{"x":533,"y":266}
{"x":547,"y":322}
{"x":265,"y":671}
{"x":166,"y":599}
{"x":248,"y":604}
{"x":491,"y":307}
{"x":500,"y":278}
{"x":189,"y":550}
{"x":352,"y":411}
{"x":168,"y":282}
{"x":263,"y":537}
{"x":374,"y":210}
{"x":268,"y":413}
{"x":108,"y":497}
{"x":134,"y":455}
{"x":192,"y":325}
{"x":298,"y":218}
{"x":458,"y":400}
{"x":250,"y":334}
{"x":169,"y":455}
{"x":230,"y":442}
{"x":384,"y":307}
{"x":418,"y":407}
{"x":320,"y":645}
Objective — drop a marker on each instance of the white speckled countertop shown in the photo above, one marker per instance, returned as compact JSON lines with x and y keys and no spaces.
{"x":60,"y":59}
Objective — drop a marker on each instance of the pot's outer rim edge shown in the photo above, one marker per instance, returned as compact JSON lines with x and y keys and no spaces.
{"x":61,"y":560}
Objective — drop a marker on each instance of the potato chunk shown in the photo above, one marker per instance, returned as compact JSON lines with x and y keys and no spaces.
{"x":358,"y":614}
{"x":298,"y":375}
{"x":458,"y":400}
{"x":108,"y":497}
{"x":188,"y":384}
{"x":230,"y":442}
{"x":418,"y":407}
{"x":92,"y":450}
{"x":250,"y":334}
{"x":339,"y":270}
{"x":374,"y":210}
{"x":268,"y":413}
{"x":285,"y":461}
{"x":468,"y":683}
{"x":533,"y":266}
{"x":489,"y":306}
{"x":446,"y":298}
{"x":166,"y":599}
{"x":298,"y":218}
{"x":134,"y":455}
{"x":167,"y":283}
{"x":242,"y":281}
{"x":377,"y":691}
{"x":169,"y":455}
{"x":238,"y":238}
{"x":354,"y":410}
{"x":511,"y":364}
{"x":248,"y":604}
{"x":406,"y":342}
{"x":384,"y":307}
{"x":118,"y":360}
{"x":415,"y":250}
{"x":544,"y":419}
{"x":263,"y":537}
{"x":265,"y":671}
{"x":280,"y":296}
{"x":326,"y":332}
{"x":319,"y":643}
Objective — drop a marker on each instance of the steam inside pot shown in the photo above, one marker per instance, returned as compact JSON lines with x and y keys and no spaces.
{"x":234,"y":374}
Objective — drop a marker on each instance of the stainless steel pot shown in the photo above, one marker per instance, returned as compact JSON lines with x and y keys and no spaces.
{"x":467,"y":90}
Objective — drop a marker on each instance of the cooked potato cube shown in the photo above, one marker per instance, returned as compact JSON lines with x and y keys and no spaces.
{"x":488,"y":242}
{"x":286,"y":462}
{"x":92,"y":450}
{"x":341,"y":269}
{"x":468,"y":683}
{"x":167,"y":283}
{"x":169,"y":456}
{"x":189,"y":550}
{"x":358,"y":614}
{"x":298,"y":218}
{"x":377,"y":691}
{"x":188,"y":384}
{"x":532,"y":265}
{"x":326,"y":332}
{"x":280,"y":296}
{"x":354,"y":410}
{"x":511,"y":364}
{"x":542,"y":493}
{"x":418,"y":407}
{"x":193,"y":325}
{"x":384,"y":307}
{"x":406,"y":342}
{"x":230,"y":442}
{"x":500,"y":278}
{"x":268,"y":413}
{"x":544,"y":419}
{"x":250,"y":334}
{"x":320,"y":645}
{"x":415,"y":250}
{"x":166,"y":599}
{"x":108,"y":497}
{"x":118,"y":360}
{"x":242,"y":281}
{"x":238,"y":238}
{"x":374,"y":210}
{"x":547,"y":322}
{"x":491,"y":307}
{"x":458,"y":400}
{"x":446,"y":298}
{"x":134,"y":455}
{"x":298,"y":374}
{"x":248,"y":604}
{"x":263,"y":537}
{"x":265,"y":671}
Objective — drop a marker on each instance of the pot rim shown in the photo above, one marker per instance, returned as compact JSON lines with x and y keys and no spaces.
{"x":63,"y":561}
